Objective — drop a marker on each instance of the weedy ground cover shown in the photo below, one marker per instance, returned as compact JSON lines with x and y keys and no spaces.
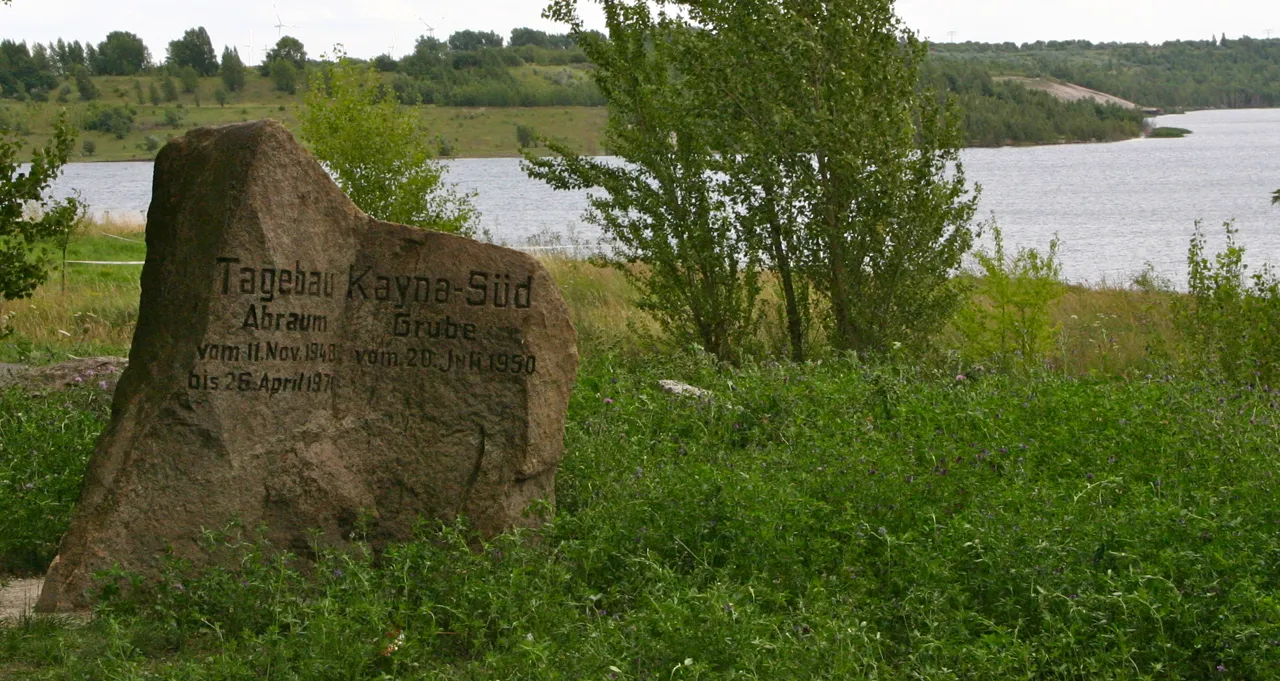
{"x":828,"y":520}
{"x":45,"y":443}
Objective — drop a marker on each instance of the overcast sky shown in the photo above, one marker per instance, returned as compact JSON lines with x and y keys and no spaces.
{"x":370,"y":27}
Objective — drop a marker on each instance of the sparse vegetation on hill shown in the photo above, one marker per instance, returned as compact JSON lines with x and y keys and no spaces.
{"x":1182,"y":74}
{"x":532,"y":70}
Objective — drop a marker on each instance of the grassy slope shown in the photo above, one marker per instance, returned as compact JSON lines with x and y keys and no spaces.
{"x":479,"y":132}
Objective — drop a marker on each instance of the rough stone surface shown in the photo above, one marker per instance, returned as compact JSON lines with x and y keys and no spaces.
{"x":10,"y":373}
{"x":94,"y":372}
{"x":299,"y":364}
{"x":684,"y":390}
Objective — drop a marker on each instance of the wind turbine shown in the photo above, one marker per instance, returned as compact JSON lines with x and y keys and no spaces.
{"x":431,"y":31}
{"x":249,"y":55}
{"x":280,"y":25}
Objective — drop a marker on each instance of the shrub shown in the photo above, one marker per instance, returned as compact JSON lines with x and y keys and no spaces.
{"x":379,"y":154}
{"x":284,"y":75}
{"x":1231,"y":319}
{"x":88,"y":148}
{"x":173,"y":117}
{"x":114,"y":120}
{"x":1006,"y":320}
{"x":526,"y":136}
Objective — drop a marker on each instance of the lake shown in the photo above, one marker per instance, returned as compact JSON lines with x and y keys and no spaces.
{"x":1115,"y":206}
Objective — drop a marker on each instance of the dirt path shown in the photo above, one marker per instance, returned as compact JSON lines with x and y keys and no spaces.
{"x":18,"y":598}
{"x":1068,"y":92}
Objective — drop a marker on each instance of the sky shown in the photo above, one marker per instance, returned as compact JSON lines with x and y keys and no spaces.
{"x":369,"y":27}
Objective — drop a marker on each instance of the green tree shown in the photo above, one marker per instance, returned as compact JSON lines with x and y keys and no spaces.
{"x":170,"y":89}
{"x":121,"y":54}
{"x":528,"y":36}
{"x":471,"y":41}
{"x":220,"y":96}
{"x":84,"y":85}
{"x":137,"y":91}
{"x":666,"y":210}
{"x":25,"y":235}
{"x":190,"y":79}
{"x":289,"y":49}
{"x":232,"y":70}
{"x":194,"y":49}
{"x":379,"y":153}
{"x":526,"y":136}
{"x":284,"y":76}
{"x":153,"y":94}
{"x":833,"y":110}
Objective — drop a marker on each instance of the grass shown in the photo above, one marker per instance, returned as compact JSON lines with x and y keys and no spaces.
{"x":1169,"y":133}
{"x":830,"y":520}
{"x":470,"y":132}
{"x":45,"y":443}
{"x":1109,"y":515}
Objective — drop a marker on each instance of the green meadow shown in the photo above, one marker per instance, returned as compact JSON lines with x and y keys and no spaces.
{"x":1109,"y":514}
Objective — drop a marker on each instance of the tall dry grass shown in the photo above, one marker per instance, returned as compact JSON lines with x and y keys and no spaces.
{"x":1109,"y":329}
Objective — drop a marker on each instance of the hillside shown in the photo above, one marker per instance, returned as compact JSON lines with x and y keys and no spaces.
{"x":1183,"y":74}
{"x":478,"y":132}
{"x":1068,"y":92}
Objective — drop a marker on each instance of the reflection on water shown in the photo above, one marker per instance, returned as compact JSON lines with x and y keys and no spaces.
{"x":1115,"y":206}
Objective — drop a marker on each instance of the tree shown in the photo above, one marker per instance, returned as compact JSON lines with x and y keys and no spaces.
{"x":25,"y":234}
{"x":526,"y":136}
{"x":284,"y":76}
{"x":19,"y":72}
{"x":194,"y":49}
{"x":528,"y":36}
{"x":1275,"y":199}
{"x":232,"y":69}
{"x":289,"y":49}
{"x":666,"y":210}
{"x":190,"y":79}
{"x":84,"y":85}
{"x":470,"y":41}
{"x":121,"y":54}
{"x":385,"y":63}
{"x":220,"y":96}
{"x":170,"y":89}
{"x":379,"y":153}
{"x":153,"y":94}
{"x":865,"y":159}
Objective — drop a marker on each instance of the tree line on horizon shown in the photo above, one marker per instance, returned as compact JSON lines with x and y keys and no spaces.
{"x":1180,"y":74}
{"x":481,"y":69}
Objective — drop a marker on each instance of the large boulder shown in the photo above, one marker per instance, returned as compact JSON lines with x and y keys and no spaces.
{"x":300,"y":365}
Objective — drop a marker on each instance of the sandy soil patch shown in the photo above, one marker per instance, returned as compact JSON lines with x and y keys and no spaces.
{"x":18,"y":598}
{"x":1069,"y":93}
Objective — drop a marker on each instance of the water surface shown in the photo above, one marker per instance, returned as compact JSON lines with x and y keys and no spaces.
{"x":1115,"y":206}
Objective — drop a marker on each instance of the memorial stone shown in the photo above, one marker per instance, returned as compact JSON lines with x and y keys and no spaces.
{"x":302,"y":366}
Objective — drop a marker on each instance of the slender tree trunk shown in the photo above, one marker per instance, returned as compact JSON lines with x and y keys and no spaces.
{"x":845,"y":335}
{"x":782,"y":259}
